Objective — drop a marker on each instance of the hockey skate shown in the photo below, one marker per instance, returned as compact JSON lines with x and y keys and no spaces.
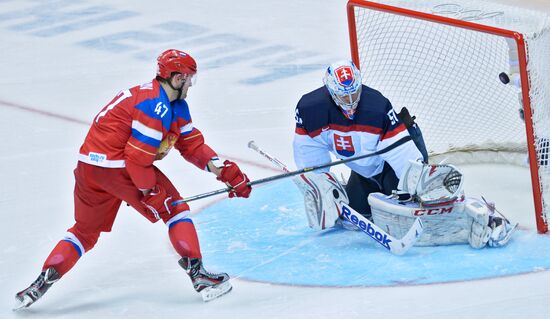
{"x":37,"y":289}
{"x":210,"y":286}
{"x":501,"y":228}
{"x":502,"y":231}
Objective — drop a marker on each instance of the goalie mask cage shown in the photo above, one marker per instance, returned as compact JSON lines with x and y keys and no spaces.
{"x":448,"y":63}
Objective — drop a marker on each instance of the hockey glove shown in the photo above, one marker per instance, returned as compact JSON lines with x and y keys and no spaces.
{"x":232,"y":176}
{"x":162,"y":206}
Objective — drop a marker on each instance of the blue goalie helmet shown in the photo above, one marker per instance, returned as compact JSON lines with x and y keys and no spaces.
{"x":343,"y":81}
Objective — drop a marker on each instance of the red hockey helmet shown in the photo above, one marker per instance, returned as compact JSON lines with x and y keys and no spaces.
{"x":173,"y":60}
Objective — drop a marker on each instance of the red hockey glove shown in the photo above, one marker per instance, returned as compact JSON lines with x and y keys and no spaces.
{"x":231,"y":175}
{"x":157,"y":202}
{"x":162,"y":206}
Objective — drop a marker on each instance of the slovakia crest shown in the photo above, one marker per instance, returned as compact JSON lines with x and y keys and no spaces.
{"x":344,"y":75}
{"x":344,"y":145}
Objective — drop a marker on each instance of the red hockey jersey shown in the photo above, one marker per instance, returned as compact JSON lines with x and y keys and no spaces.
{"x":139,"y":126}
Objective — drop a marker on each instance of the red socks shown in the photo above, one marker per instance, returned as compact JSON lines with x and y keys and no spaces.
{"x":63,"y":257}
{"x":184,"y":238}
{"x":182,"y":234}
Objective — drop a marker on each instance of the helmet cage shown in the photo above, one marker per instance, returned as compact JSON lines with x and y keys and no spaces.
{"x":347,"y":101}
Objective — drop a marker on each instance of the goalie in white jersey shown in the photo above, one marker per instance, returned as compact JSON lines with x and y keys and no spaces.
{"x":348,"y":119}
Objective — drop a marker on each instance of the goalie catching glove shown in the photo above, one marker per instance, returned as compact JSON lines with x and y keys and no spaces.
{"x":431,"y":185}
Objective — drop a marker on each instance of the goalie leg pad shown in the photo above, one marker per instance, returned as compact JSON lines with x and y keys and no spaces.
{"x":323,"y":195}
{"x":480,"y":230}
{"x":479,"y":235}
{"x":443,"y":225}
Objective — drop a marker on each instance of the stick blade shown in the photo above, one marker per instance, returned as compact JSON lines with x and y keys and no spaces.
{"x":410,"y":237}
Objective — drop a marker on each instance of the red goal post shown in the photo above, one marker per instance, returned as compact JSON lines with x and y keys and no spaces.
{"x":442,"y":60}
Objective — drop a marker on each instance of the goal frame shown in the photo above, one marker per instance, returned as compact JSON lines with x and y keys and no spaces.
{"x":542,"y":226}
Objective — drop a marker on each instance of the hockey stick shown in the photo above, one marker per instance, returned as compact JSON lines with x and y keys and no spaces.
{"x":394,"y":245}
{"x":297,"y":172}
{"x":252,"y":145}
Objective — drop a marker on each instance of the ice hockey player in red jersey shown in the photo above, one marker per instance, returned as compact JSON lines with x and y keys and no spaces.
{"x":116,"y":164}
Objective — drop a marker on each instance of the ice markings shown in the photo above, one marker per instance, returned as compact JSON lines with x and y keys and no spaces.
{"x":265,"y":62}
{"x":53,"y":18}
{"x":271,"y":62}
{"x":280,"y":248}
{"x":134,"y":40}
{"x":85,"y":24}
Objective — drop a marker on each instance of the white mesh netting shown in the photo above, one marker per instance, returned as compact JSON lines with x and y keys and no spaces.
{"x":448,"y":77}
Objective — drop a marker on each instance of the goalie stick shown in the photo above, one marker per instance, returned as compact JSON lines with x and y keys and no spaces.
{"x":392,"y":244}
{"x":399,"y":142}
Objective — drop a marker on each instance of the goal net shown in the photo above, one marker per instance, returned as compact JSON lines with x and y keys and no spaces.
{"x":475,"y":73}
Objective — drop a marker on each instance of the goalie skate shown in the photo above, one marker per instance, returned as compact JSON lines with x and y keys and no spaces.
{"x":501,"y":228}
{"x":502,"y":232}
{"x":36,"y":290}
{"x":209,"y":285}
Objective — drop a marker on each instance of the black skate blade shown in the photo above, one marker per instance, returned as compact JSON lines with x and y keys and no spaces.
{"x":211,"y":293}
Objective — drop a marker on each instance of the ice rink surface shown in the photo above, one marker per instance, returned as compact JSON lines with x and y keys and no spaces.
{"x":63,"y":60}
